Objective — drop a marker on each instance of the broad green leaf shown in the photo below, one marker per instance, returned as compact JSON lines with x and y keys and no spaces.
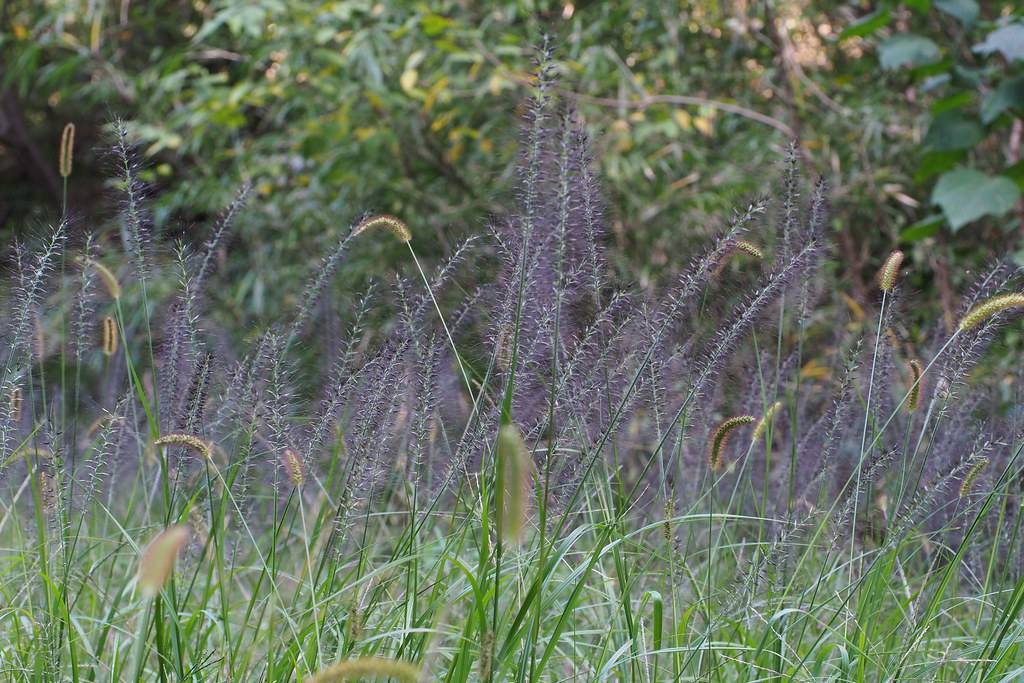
{"x":965,"y":195}
{"x":1009,"y":95}
{"x":1009,"y":40}
{"x":965,"y":11}
{"x":953,"y":130}
{"x":907,"y":49}
{"x":956,"y":101}
{"x":925,"y":227}
{"x":934,"y":163}
{"x":1015,"y":173}
{"x":867,"y":25}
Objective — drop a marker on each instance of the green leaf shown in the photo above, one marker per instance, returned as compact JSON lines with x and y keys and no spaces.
{"x":965,"y":11}
{"x":965,"y":195}
{"x":953,"y":130}
{"x":1009,"y":95}
{"x":867,"y":25}
{"x":1015,"y":173}
{"x":907,"y":49}
{"x":1009,"y":40}
{"x":934,"y":163}
{"x":956,"y":101}
{"x":926,"y":227}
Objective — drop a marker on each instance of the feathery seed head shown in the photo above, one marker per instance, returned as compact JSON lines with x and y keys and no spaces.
{"x":721,"y":438}
{"x":391,"y":223}
{"x":158,"y":559}
{"x":189,"y":441}
{"x":972,"y":475}
{"x":890,"y":271}
{"x":915,"y":389}
{"x":67,"y":149}
{"x":15,"y":404}
{"x":749,"y":248}
{"x":515,"y":468}
{"x":292,"y":464}
{"x":486,"y":655}
{"x":766,"y":419}
{"x":984,"y":311}
{"x":109,"y":279}
{"x":108,"y":340}
{"x":367,"y":667}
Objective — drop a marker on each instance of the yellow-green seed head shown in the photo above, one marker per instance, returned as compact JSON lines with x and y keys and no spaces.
{"x":972,"y":475}
{"x":67,"y":150}
{"x":721,"y":438}
{"x":749,"y":248}
{"x":516,"y":468}
{"x":766,"y":419}
{"x":890,"y":271}
{"x":395,"y":225}
{"x":367,"y":668}
{"x":984,"y":311}
{"x":158,"y":559}
{"x":914,"y":399}
{"x":189,"y":441}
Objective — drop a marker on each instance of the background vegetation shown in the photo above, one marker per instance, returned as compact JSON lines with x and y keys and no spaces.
{"x":332,"y":108}
{"x":691,"y":360}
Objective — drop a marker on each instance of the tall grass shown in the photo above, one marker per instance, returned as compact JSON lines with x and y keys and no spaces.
{"x":523,"y":476}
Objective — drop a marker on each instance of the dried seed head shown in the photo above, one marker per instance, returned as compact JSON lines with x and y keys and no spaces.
{"x":669,"y":514}
{"x":890,"y":271}
{"x":766,"y":419}
{"x":67,"y":149}
{"x":972,"y":475}
{"x":38,"y":338}
{"x":355,"y":623}
{"x":721,"y":438}
{"x":15,"y":402}
{"x":158,"y":558}
{"x":515,"y":467}
{"x":395,"y":225}
{"x":983,"y":312}
{"x":367,"y":667}
{"x":189,"y":441}
{"x":47,"y":492}
{"x":109,"y":279}
{"x":292,"y":464}
{"x":108,"y":341}
{"x":486,"y":660}
{"x":915,"y":389}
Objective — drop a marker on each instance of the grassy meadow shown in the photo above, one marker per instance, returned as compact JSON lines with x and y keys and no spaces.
{"x":509,"y":463}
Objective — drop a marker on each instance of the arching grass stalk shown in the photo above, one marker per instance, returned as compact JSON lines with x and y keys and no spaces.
{"x":887,"y":278}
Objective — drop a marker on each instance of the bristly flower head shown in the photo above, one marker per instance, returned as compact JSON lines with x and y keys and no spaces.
{"x":67,"y":150}
{"x":915,"y":389}
{"x":398,"y":228}
{"x":515,"y":463}
{"x":890,"y":271}
{"x":983,"y":312}
{"x":189,"y":441}
{"x":108,"y":340}
{"x":15,"y":403}
{"x":292,"y":464}
{"x":721,"y":438}
{"x":766,"y":419}
{"x":158,"y":559}
{"x":109,"y":279}
{"x":361,"y":668}
{"x":972,"y":475}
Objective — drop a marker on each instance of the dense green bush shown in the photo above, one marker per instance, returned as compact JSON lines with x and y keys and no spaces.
{"x":330,"y":107}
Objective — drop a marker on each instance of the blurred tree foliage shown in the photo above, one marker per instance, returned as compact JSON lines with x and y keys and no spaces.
{"x":912,"y":110}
